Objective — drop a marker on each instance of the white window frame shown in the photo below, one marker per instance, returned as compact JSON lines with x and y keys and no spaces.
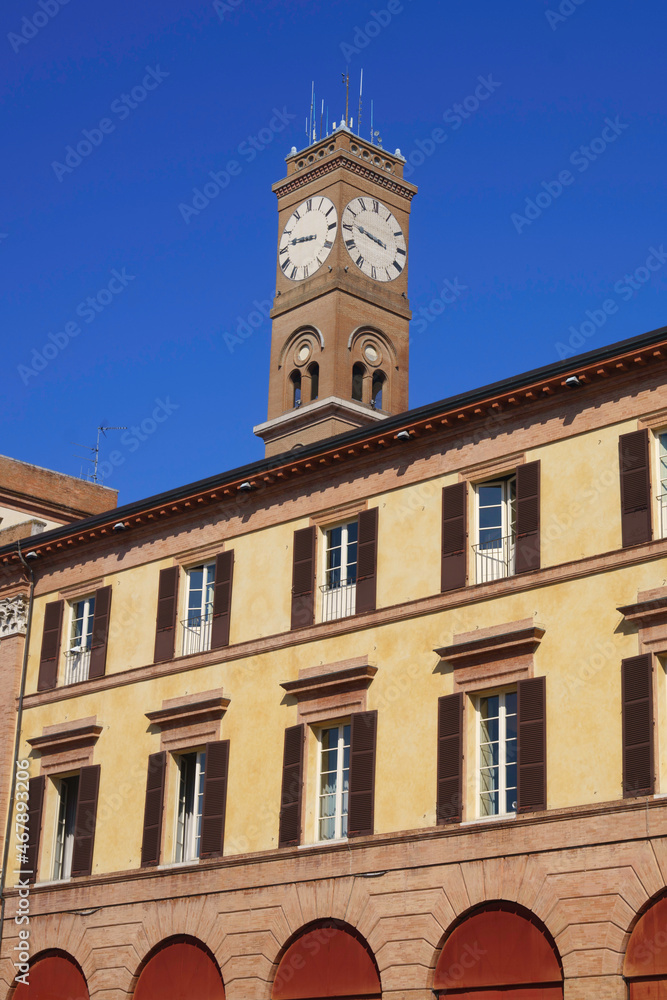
{"x":340,"y":601}
{"x":501,"y":694}
{"x":77,"y":655}
{"x":341,"y":725}
{"x":187,"y":836}
{"x":661,"y":490}
{"x":65,"y":823}
{"x":489,"y":567}
{"x":197,"y":637}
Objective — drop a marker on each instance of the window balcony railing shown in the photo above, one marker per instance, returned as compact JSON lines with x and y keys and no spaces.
{"x":338,"y":601}
{"x":197,"y":634}
{"x":662,"y":500}
{"x":77,"y":665}
{"x":494,"y":559}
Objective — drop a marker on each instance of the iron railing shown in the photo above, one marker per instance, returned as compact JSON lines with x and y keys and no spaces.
{"x":197,"y":634}
{"x":77,"y":665}
{"x":338,"y":601}
{"x":494,"y":559}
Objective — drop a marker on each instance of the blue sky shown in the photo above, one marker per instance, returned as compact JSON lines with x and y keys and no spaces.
{"x":574,"y":87}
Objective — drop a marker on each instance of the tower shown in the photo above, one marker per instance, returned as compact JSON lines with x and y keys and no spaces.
{"x":340,"y":333}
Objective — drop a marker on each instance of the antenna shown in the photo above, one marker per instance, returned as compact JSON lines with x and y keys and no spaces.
{"x":322,"y":118}
{"x":92,"y":477}
{"x":372,"y":123}
{"x":361,"y":87}
{"x":346,"y":81}
{"x":312,"y":105}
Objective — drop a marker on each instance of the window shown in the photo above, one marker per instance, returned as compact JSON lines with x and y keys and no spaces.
{"x":497,"y":744}
{"x":80,"y":640}
{"x":295,"y":380}
{"x":358,"y":372}
{"x":69,"y":794}
{"x":662,"y":475}
{"x":334,"y":781}
{"x":340,"y":586}
{"x":376,"y":392}
{"x":197,"y":625}
{"x":190,"y":804}
{"x":496,"y":529}
{"x":314,"y":372}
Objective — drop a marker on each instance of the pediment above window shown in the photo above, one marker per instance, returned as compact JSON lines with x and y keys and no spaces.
{"x":331,"y":690}
{"x":190,"y":720}
{"x":489,"y":657}
{"x":67,"y":746}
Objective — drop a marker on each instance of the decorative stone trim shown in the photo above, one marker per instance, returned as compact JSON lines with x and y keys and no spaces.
{"x":189,"y":721}
{"x":201,"y":554}
{"x":13,"y":615}
{"x":649,"y":614}
{"x":67,"y":746}
{"x":79,"y":590}
{"x":499,"y":655}
{"x":331,"y":690}
{"x":495,"y":467}
{"x":333,"y":515}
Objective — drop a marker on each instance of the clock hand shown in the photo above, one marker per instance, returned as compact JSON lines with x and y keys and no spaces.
{"x":303,"y":239}
{"x":371,"y":237}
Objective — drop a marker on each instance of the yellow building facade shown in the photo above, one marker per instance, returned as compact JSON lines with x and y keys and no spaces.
{"x":382,"y":715}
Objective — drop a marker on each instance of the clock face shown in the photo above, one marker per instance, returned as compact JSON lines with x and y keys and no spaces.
{"x":307,"y":238}
{"x":374,"y":239}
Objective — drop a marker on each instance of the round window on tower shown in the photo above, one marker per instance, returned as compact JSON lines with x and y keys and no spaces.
{"x":372,"y":353}
{"x":303,"y":352}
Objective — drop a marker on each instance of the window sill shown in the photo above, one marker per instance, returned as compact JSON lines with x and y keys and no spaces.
{"x":178,"y":864}
{"x":489,"y":819}
{"x":322,"y":843}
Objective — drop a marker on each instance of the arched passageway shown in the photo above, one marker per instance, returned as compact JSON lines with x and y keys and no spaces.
{"x":52,"y":977}
{"x":180,"y":969}
{"x":327,"y":960}
{"x":645,"y":965}
{"x":499,"y":952}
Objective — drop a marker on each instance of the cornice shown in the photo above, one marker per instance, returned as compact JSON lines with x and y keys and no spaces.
{"x":532,"y":391}
{"x":475,"y":651}
{"x":336,"y":160}
{"x":190,"y":710}
{"x":72,"y":736}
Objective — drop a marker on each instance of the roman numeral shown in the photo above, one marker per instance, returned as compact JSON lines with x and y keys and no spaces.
{"x":398,"y":250}
{"x":350,"y":244}
{"x":398,"y":267}
{"x":327,"y":245}
{"x":296,"y":214}
{"x":388,"y":217}
{"x":376,"y":206}
{"x":359,"y":261}
{"x":295,"y":269}
{"x":319,"y":207}
{"x":327,"y":214}
{"x":399,"y":233}
{"x":333,"y":226}
{"x":309,"y":205}
{"x":305,"y":271}
{"x":285,"y":264}
{"x":363,"y":204}
{"x":386,"y":271}
{"x":347,"y":226}
{"x":288,"y":232}
{"x":374,"y":273}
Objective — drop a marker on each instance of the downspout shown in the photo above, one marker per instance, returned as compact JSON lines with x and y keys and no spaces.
{"x":17,"y":742}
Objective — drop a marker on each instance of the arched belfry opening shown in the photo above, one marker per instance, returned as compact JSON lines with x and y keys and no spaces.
{"x":341,"y":292}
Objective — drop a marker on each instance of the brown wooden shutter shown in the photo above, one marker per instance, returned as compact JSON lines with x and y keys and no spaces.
{"x":152,"y":837}
{"x":450,"y":759}
{"x":35,"y":806}
{"x":303,"y":577}
{"x":222,"y":599}
{"x":48,"y":660}
{"x":527,"y":517}
{"x":637,"y":695}
{"x":367,"y":545}
{"x":84,"y":825}
{"x":98,"y":655}
{"x":215,"y":799}
{"x":454,"y":536}
{"x":167,"y":602}
{"x":361,"y":798}
{"x":532,"y":745}
{"x":292,"y":787}
{"x":635,"y":487}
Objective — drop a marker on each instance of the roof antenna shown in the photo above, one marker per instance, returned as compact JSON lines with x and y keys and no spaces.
{"x":322,"y":118}
{"x":361,"y":87}
{"x":346,"y":81}
{"x":92,"y":476}
{"x":372,"y":124}
{"x":312,"y":102}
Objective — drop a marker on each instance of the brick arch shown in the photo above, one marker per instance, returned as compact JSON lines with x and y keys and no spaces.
{"x":54,"y":975}
{"x":291,"y":339}
{"x":375,"y":332}
{"x":180,"y":966}
{"x":499,"y":945}
{"x":325,"y":958}
{"x":645,"y":951}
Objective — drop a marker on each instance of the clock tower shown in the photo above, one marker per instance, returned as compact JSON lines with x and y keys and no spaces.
{"x":340,"y":334}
